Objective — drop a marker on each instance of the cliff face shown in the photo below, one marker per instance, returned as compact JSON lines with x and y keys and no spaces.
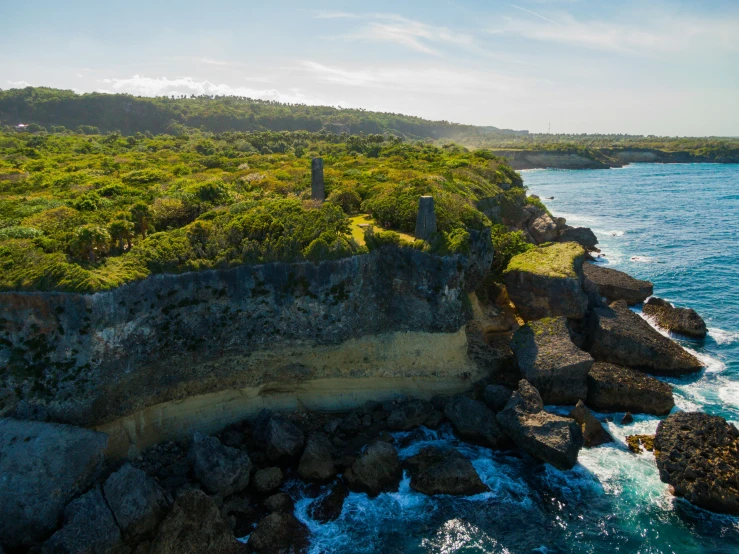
{"x":91,"y":359}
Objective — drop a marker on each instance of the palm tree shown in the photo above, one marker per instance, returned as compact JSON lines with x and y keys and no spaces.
{"x":121,"y":231}
{"x":89,"y":240}
{"x":141,"y":215}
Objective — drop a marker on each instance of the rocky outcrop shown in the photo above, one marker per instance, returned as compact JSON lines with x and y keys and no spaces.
{"x":376,"y":470}
{"x":613,"y":388}
{"x":279,"y":533}
{"x":621,"y":337}
{"x":547,"y":282}
{"x":543,"y":229}
{"x":89,"y":528}
{"x":267,"y":479}
{"x":280,"y":438}
{"x":474,"y":422}
{"x":496,"y":396}
{"x":316,"y":463}
{"x":42,"y":467}
{"x":329,"y":507}
{"x":592,"y":430}
{"x":617,"y":285}
{"x":443,"y":471}
{"x":549,"y":360}
{"x":547,"y":437}
{"x":138,"y":503}
{"x":684,"y":321}
{"x":583,"y":236}
{"x":698,"y":455}
{"x":221,"y":469}
{"x":409,"y":415}
{"x":193,"y":525}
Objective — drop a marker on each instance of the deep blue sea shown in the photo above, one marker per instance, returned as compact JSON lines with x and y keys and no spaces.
{"x":677,"y":226}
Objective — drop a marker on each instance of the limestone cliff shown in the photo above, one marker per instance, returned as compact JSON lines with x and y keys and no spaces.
{"x":393,"y":317}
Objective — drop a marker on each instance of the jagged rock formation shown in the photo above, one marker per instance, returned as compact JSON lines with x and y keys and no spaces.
{"x":617,"y":285}
{"x":613,"y":388}
{"x":376,"y":470}
{"x":583,"y":236}
{"x":548,"y":437}
{"x":698,"y":455}
{"x":443,"y":471}
{"x":473,"y":421}
{"x":547,"y":282}
{"x":550,"y":361}
{"x":685,"y":321}
{"x":621,"y":337}
{"x":592,"y":430}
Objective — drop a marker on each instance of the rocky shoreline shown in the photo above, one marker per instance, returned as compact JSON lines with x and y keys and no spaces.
{"x":558,"y":330}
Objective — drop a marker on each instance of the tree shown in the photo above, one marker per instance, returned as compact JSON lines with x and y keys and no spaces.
{"x":141,"y":216}
{"x":121,"y":232}
{"x":90,"y":240}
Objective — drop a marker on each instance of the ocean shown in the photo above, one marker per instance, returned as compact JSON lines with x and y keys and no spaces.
{"x":675,"y":225}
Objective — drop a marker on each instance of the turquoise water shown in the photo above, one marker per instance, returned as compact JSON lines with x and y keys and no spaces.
{"x":676,"y":225}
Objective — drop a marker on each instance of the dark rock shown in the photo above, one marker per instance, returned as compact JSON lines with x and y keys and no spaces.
{"x":240,"y":514}
{"x":328,"y":508}
{"x":279,"y":533}
{"x":473,"y":421}
{"x":547,"y":282}
{"x":221,"y":469}
{"x":496,"y":397}
{"x":613,"y":388}
{"x":371,"y":406}
{"x":350,"y":424}
{"x":376,"y":470}
{"x":409,"y":415}
{"x":317,"y":463}
{"x":42,"y":467}
{"x":332,"y":426}
{"x":280,"y":502}
{"x":592,"y":430}
{"x":617,"y":285}
{"x":628,"y":418}
{"x":685,"y":321}
{"x":434,"y":420}
{"x":639,"y":443}
{"x":550,"y":361}
{"x":698,"y":455}
{"x":621,"y":337}
{"x":548,"y":437}
{"x":443,"y":471}
{"x":583,"y":236}
{"x":267,"y":479}
{"x":89,"y":528}
{"x":281,"y":438}
{"x":193,"y":525}
{"x":137,"y":501}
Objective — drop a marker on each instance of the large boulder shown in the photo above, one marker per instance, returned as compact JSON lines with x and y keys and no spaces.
{"x":137,"y":501}
{"x":89,"y":528}
{"x":617,"y":285}
{"x":583,"y":236}
{"x":547,"y":437}
{"x":547,"y":282}
{"x":443,"y":471}
{"x":376,"y":470}
{"x":621,"y":337}
{"x":409,"y":415}
{"x":593,"y":432}
{"x":549,"y":360}
{"x":543,"y":229}
{"x":328,"y":508}
{"x":317,"y":462}
{"x":698,"y":455}
{"x":473,"y":421}
{"x":496,"y":396}
{"x":221,"y":469}
{"x":193,"y":525}
{"x":685,"y":321}
{"x":42,"y":467}
{"x":279,"y":533}
{"x":612,"y":388}
{"x":281,"y":439}
{"x":267,"y":479}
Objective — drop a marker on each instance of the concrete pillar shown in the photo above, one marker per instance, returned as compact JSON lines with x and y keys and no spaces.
{"x":316,"y":175}
{"x":426,"y":220}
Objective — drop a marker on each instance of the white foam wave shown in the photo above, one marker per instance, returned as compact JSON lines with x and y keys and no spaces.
{"x":616,"y":233}
{"x":644,"y":260}
{"x":728,"y":392}
{"x":723,"y":337}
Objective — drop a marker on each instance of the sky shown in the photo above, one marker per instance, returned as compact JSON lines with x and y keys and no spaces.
{"x":572,"y":66}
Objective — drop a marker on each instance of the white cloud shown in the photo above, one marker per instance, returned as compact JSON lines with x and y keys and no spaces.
{"x":162,"y":86}
{"x":18,"y":84}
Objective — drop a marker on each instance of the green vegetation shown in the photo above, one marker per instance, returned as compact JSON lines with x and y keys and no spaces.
{"x":88,"y":212}
{"x":550,"y":260}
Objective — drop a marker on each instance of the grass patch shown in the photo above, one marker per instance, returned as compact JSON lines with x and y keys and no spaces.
{"x":554,"y":260}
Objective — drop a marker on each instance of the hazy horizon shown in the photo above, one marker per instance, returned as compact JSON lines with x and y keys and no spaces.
{"x":584,"y":67}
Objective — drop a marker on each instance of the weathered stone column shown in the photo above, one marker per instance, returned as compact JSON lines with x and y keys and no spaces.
{"x":426,"y":220}
{"x":316,"y":174}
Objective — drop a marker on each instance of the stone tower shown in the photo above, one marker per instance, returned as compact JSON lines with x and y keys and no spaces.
{"x":316,"y":175}
{"x":426,"y":221}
